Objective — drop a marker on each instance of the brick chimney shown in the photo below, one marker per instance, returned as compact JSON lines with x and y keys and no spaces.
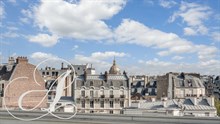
{"x":21,"y":59}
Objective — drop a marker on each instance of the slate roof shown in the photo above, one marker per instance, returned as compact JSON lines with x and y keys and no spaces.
{"x":6,"y":71}
{"x":158,"y":105}
{"x":202,"y":104}
{"x":189,"y":81}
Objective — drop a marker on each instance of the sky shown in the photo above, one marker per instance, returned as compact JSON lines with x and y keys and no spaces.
{"x":150,"y":37}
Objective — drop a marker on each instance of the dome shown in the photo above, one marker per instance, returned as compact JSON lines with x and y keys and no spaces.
{"x":114,"y":69}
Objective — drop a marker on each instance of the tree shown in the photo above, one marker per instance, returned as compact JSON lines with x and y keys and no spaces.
{"x":217,"y":105}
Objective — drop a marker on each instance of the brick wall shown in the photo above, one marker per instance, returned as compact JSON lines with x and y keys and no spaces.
{"x":20,"y":86}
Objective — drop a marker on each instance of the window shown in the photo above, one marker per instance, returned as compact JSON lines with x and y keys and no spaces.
{"x":91,"y":93}
{"x":47,"y":73}
{"x":92,"y":104}
{"x":83,"y":83}
{"x":78,"y":68}
{"x":122,"y":104}
{"x":83,"y":93}
{"x":111,"y":92}
{"x":111,"y":111}
{"x":121,"y":92}
{"x":121,"y":112}
{"x":43,"y":73}
{"x":102,"y":92}
{"x":91,"y":83}
{"x":83,"y":104}
{"x":111,"y":104}
{"x":2,"y":92}
{"x":111,"y":84}
{"x":102,"y":104}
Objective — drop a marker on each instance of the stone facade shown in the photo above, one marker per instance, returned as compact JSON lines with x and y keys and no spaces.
{"x":103,"y":93}
{"x":179,"y":85}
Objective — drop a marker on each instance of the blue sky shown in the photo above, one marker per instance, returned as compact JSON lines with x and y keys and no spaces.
{"x":146,"y":36}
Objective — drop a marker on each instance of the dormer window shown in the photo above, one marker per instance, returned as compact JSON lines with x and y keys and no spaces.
{"x":91,"y":83}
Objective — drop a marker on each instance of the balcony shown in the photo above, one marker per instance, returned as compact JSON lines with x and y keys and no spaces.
{"x":122,"y":96}
{"x":111,"y":96}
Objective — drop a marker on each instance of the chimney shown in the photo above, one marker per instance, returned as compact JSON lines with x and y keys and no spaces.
{"x":21,"y":59}
{"x":11,"y":61}
{"x":164,"y":102}
{"x":211,"y":101}
{"x":106,"y":75}
{"x":61,"y":65}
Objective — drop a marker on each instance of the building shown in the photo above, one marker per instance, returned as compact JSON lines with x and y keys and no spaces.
{"x":143,"y":87}
{"x":16,"y":78}
{"x":50,"y":76}
{"x":102,"y":93}
{"x":179,"y":85}
{"x":212,"y":85}
{"x":187,"y":85}
{"x":190,"y":106}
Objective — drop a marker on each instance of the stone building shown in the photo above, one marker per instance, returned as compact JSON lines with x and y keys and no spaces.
{"x":179,"y":85}
{"x":102,"y":93}
{"x":50,"y":76}
{"x":143,"y":87}
{"x":21,"y":73}
{"x":212,"y":85}
{"x":186,"y":85}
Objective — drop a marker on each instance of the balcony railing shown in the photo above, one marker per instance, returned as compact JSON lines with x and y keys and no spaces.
{"x":122,"y":96}
{"x":111,"y":96}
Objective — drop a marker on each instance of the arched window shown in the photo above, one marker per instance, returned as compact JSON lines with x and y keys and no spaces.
{"x":91,"y":93}
{"x":102,"y":91}
{"x":83,"y":93}
{"x":121,"y":92}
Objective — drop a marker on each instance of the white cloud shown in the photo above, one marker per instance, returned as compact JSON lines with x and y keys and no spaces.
{"x":108,"y":54}
{"x":12,"y":28}
{"x":163,"y":53}
{"x":9,"y":34}
{"x":158,"y":67}
{"x":12,"y":1}
{"x":42,"y":60}
{"x":41,"y":56}
{"x":2,"y":11}
{"x":83,"y":20}
{"x":149,"y":2}
{"x":156,"y":62}
{"x":216,"y":36}
{"x":189,"y":31}
{"x":27,"y":16}
{"x":206,"y":52}
{"x":133,"y":32}
{"x":98,"y":59}
{"x":177,"y":58}
{"x":44,"y":39}
{"x":167,"y":3}
{"x":193,"y":15}
{"x":24,"y":20}
{"x":75,"y":47}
